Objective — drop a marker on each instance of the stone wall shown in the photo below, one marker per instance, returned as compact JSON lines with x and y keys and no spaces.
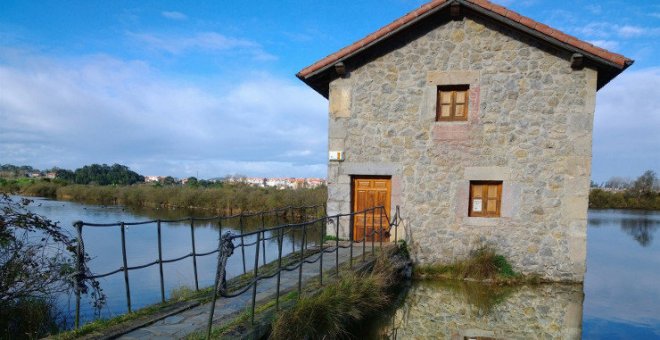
{"x":453,"y":310}
{"x":530,"y":126}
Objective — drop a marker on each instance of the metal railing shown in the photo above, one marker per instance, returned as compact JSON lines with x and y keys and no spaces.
{"x":227,"y":249}
{"x":288,"y":213}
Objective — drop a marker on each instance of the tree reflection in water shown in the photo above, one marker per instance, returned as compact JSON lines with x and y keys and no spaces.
{"x":459,"y":310}
{"x":641,"y":230}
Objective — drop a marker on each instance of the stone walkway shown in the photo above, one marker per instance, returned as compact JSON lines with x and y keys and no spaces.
{"x":195,"y":319}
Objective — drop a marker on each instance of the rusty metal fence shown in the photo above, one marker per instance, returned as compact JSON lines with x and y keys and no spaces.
{"x":301,"y":214}
{"x":229,"y":243}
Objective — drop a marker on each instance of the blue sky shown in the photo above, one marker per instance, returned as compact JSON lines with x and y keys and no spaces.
{"x":207,"y":88}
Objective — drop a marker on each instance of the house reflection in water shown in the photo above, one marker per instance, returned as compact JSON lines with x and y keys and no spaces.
{"x":462,"y":310}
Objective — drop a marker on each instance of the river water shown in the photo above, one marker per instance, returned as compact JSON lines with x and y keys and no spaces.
{"x":103,"y":244}
{"x":620,"y":298}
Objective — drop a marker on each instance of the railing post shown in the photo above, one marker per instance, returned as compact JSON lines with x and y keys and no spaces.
{"x":396,"y":227}
{"x":302,"y":260}
{"x":80,"y":268}
{"x":364,"y":237}
{"x":337,"y":247}
{"x":373,"y":230}
{"x":160,"y":264}
{"x":123,"y":253}
{"x":303,"y":217}
{"x":194,"y":252}
{"x":240,"y":222}
{"x":380,"y":224}
{"x":293,"y":240}
{"x":280,"y":240}
{"x":352,"y":236}
{"x":256,"y":269}
{"x":263,"y":239}
{"x":321,"y":224}
{"x":225,"y":250}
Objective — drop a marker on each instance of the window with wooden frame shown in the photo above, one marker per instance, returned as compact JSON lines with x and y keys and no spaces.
{"x":452,"y":103}
{"x":485,"y":198}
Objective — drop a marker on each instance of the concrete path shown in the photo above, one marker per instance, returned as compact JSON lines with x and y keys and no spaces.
{"x":196,"y":319}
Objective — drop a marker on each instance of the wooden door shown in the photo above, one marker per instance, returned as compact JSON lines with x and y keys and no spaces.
{"x":369,"y":192}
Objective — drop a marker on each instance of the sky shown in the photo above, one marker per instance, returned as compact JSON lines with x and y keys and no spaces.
{"x":208,"y":88}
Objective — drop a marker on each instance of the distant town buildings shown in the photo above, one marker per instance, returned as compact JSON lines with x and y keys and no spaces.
{"x":263,"y":182}
{"x":152,"y":179}
{"x":278,"y":182}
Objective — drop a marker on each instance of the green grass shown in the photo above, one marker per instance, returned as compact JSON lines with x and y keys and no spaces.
{"x":180,"y":294}
{"x":31,"y":318}
{"x":482,"y":265}
{"x":352,"y":298}
{"x":222,"y":197}
{"x":103,"y":324}
{"x":327,"y":238}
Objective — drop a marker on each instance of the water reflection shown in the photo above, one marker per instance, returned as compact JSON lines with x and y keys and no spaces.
{"x":464,"y":310}
{"x":641,"y":230}
{"x":641,"y":226}
{"x":103,"y":244}
{"x":621,"y":295}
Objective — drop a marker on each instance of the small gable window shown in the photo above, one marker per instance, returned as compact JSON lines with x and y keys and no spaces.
{"x":485,"y":198}
{"x":452,"y":103}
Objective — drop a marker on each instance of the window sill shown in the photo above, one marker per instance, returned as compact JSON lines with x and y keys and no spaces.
{"x":451,"y":130}
{"x":482,"y":221}
{"x":451,"y":122}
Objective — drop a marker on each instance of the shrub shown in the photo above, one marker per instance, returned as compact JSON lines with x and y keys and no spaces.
{"x":483,"y":264}
{"x":326,"y":315}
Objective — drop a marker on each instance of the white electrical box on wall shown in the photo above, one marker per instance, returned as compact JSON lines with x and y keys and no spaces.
{"x":336,"y":156}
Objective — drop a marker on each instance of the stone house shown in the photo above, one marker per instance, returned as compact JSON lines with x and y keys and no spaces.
{"x":477,"y":122}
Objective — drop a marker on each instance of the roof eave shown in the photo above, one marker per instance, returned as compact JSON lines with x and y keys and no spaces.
{"x":617,"y":68}
{"x":372,"y":43}
{"x":549,"y":39}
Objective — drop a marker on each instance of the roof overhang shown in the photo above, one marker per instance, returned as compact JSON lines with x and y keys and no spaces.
{"x":319,"y":75}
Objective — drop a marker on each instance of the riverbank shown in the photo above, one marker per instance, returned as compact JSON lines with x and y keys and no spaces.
{"x":625,"y":199}
{"x":483,"y":265}
{"x":222,"y":198}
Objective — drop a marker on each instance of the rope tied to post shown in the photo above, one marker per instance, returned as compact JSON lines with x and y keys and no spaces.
{"x":226,"y":250}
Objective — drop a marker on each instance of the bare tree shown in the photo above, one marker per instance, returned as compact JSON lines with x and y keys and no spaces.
{"x":37,"y":257}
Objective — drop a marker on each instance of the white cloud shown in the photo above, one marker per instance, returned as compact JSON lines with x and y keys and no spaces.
{"x":604,"y":30}
{"x":594,"y":9}
{"x":627,"y":125}
{"x":595,"y":29}
{"x":611,"y":45}
{"x":628,"y":31}
{"x":174,"y":15}
{"x":201,"y":41}
{"x":105,"y":110}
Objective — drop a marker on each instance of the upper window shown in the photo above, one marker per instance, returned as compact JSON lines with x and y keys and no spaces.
{"x":452,"y":103}
{"x":485,"y":198}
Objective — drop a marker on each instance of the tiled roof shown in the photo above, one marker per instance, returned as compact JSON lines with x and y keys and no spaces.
{"x":502,"y":12}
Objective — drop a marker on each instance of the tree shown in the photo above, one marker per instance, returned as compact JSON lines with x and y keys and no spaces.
{"x":617,"y":183}
{"x":104,"y":174}
{"x":169,"y":180}
{"x":66,"y":175}
{"x":37,"y":260}
{"x":193,"y":182}
{"x":644,"y":185}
